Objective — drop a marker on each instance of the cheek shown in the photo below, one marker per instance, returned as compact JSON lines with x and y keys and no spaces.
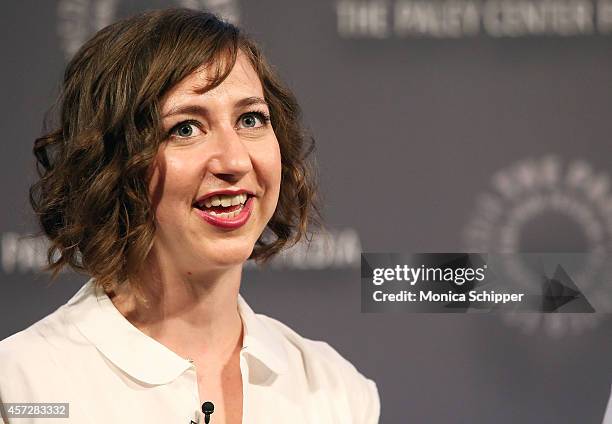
{"x":172,"y":181}
{"x":156,"y":183}
{"x":266,"y":160}
{"x":272,"y":167}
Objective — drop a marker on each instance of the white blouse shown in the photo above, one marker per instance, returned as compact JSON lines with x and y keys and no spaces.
{"x":87,"y":354}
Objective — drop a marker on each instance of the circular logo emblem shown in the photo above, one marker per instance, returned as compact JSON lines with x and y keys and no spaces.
{"x":544,"y":205}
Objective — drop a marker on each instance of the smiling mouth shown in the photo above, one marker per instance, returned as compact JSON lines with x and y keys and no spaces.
{"x":223,"y":206}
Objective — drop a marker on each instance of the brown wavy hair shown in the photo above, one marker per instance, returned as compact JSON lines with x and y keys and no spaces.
{"x":92,"y":197}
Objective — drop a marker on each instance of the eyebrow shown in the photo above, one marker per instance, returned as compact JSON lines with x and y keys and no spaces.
{"x":201,"y":110}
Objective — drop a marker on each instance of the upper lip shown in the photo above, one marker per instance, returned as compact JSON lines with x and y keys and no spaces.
{"x":227,"y":192}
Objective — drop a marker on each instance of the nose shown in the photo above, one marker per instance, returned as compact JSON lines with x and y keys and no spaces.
{"x":231,"y":159}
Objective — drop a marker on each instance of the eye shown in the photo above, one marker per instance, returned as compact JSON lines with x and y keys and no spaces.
{"x":253,"y":120}
{"x":185,"y":129}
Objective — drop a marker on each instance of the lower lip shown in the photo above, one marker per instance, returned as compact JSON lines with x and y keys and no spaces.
{"x":231,"y":223}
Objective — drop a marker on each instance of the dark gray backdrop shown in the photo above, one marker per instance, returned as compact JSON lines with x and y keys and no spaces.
{"x":411,"y":132}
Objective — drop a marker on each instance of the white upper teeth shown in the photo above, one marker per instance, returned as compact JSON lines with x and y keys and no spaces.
{"x":225,"y":200}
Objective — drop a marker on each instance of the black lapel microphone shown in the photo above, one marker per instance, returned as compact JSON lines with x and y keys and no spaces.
{"x":207,"y":408}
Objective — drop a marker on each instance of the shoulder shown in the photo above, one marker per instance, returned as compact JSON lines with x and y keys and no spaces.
{"x":51,"y":331}
{"x":328,"y":369}
{"x":32,"y":355}
{"x":319,"y":354}
{"x":52,"y":337}
{"x":31,"y":338}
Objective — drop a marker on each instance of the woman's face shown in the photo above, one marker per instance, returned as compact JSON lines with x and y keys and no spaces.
{"x":216,"y":179}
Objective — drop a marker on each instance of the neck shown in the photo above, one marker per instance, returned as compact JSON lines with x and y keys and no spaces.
{"x":195,"y":316}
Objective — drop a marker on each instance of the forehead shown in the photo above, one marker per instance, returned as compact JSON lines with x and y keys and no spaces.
{"x":241,"y":82}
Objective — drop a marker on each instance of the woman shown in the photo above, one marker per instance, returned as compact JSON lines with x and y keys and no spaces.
{"x":178,"y":157}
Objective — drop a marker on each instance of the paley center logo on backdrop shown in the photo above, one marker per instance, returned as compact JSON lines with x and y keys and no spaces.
{"x":544,"y":204}
{"x":337,"y":249}
{"x":77,"y":20}
{"x":468,"y":18}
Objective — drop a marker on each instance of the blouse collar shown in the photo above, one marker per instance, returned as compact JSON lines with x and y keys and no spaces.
{"x":146,"y":359}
